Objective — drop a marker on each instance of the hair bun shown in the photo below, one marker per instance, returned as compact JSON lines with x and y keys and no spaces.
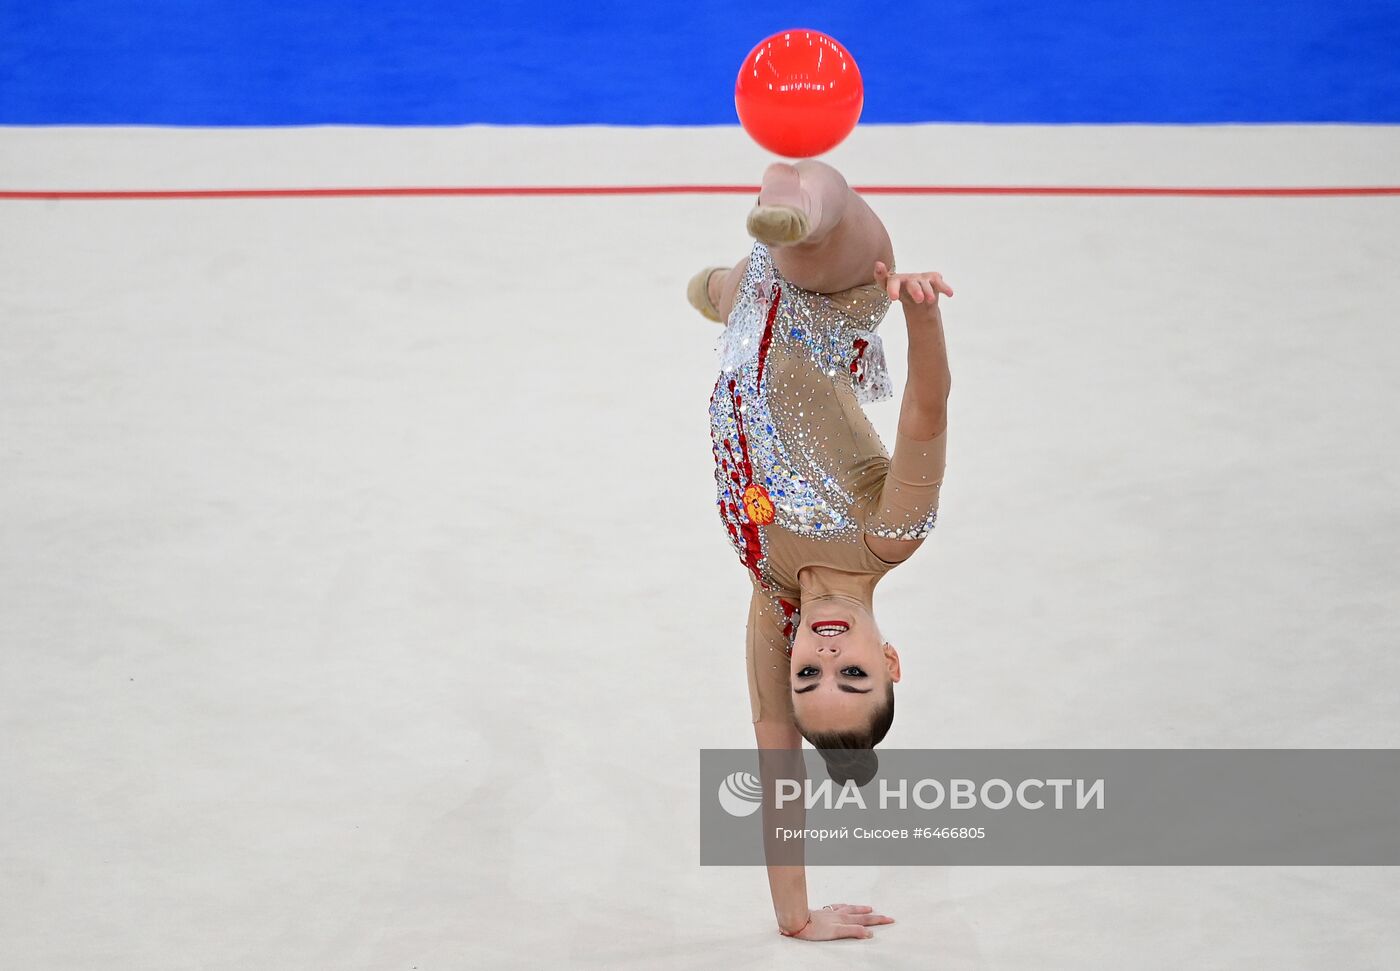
{"x":857,"y":765}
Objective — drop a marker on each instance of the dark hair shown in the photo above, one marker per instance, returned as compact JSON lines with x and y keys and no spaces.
{"x":850,"y":755}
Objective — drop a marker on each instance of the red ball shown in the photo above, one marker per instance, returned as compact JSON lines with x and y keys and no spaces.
{"x":799,"y":93}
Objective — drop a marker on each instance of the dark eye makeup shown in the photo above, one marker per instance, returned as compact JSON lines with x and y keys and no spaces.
{"x":850,"y":671}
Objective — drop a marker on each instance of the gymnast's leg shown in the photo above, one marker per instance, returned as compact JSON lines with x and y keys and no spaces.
{"x":821,"y":233}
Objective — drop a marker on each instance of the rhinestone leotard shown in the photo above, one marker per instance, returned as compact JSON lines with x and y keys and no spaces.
{"x":801,"y":476}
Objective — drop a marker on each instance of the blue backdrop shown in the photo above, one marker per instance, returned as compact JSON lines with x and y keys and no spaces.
{"x":432,"y":62}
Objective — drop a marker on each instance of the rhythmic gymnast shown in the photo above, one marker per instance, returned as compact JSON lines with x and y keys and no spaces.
{"x":814,"y":506}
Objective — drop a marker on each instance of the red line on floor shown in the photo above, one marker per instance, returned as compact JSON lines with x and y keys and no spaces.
{"x":658,"y":190}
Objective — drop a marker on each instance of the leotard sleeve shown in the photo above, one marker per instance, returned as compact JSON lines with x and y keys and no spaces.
{"x":907,"y":506}
{"x":769,"y":640}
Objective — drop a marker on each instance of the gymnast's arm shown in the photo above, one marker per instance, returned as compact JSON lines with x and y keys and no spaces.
{"x":909,"y":500}
{"x":923,"y":413}
{"x":780,"y":749}
{"x":780,"y":757}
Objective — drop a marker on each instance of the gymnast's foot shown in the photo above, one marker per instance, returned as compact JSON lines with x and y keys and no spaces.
{"x":704,"y":292}
{"x":784,"y":214}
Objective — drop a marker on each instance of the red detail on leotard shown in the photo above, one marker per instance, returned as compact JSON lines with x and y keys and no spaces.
{"x":747,"y":533}
{"x":767,"y":334}
{"x":788,"y":611}
{"x":858,"y":362}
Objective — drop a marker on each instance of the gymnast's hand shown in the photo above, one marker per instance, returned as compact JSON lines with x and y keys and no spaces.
{"x":835,"y":921}
{"x":916,"y":288}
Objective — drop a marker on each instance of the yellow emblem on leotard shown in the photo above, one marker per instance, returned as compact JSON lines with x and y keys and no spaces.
{"x":758,"y":505}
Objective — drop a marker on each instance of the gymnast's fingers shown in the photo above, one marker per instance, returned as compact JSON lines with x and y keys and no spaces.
{"x":892,"y":286}
{"x":849,"y":930}
{"x":867,"y":920}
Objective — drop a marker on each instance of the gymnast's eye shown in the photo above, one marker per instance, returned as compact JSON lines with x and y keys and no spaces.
{"x":852,"y":671}
{"x":808,"y":672}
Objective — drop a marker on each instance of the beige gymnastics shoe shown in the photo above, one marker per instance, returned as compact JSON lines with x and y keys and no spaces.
{"x":778,"y":225}
{"x":697,"y":291}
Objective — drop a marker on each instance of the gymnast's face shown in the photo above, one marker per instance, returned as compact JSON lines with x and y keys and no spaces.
{"x":841,"y":669}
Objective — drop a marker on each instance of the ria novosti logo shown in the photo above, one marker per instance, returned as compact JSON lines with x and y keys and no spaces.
{"x":740,"y":793}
